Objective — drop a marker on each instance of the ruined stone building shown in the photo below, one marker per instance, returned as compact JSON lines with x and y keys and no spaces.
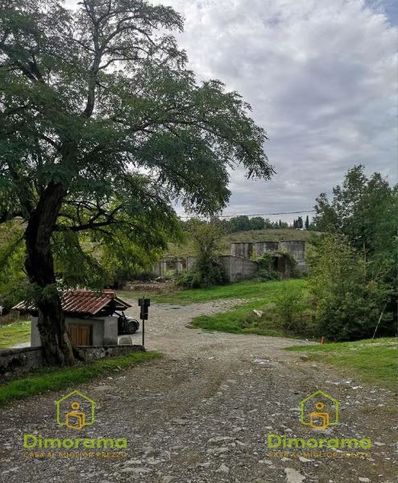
{"x":241,"y":264}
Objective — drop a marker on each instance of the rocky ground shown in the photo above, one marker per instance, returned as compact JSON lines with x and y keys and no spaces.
{"x":203,"y":412}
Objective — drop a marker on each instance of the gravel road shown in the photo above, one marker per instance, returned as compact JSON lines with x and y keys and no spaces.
{"x":203,"y":412}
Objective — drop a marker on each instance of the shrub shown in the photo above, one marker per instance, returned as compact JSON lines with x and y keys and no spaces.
{"x":265,"y":269}
{"x":207,"y":270}
{"x":292,"y":311}
{"x":203,"y":275}
{"x":347,"y":296}
{"x":268,"y":266}
{"x":289,"y":307}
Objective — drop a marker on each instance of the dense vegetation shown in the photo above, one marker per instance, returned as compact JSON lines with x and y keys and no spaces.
{"x":102,"y":127}
{"x":236,"y":224}
{"x":354,"y":266}
{"x":245,"y":223}
{"x":351,"y":290}
{"x":207,"y":270}
{"x":13,"y":280}
{"x":185,"y":247}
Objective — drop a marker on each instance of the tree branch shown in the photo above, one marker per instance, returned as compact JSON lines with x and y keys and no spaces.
{"x":92,"y":224}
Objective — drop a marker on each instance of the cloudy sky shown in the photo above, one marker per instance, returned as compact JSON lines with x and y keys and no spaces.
{"x":321,"y":77}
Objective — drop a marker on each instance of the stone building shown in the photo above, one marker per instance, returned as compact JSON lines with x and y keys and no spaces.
{"x":240,"y":264}
{"x":252,"y":250}
{"x":236,"y":268}
{"x":91,"y":317}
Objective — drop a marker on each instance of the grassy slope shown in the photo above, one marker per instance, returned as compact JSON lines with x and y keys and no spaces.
{"x":186,"y":249}
{"x":54,"y":379}
{"x":374,"y":360}
{"x":248,"y":289}
{"x":240,"y":319}
{"x":15,"y":333}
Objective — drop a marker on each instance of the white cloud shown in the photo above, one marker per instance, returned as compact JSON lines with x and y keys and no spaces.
{"x":321,"y":77}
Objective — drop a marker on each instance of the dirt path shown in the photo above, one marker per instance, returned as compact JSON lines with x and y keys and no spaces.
{"x":203,"y":412}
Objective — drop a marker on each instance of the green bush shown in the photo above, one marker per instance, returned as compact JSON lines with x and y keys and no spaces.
{"x":348,"y":298}
{"x":267,"y":266}
{"x":265,"y":269}
{"x":289,"y":308}
{"x":205,"y":273}
{"x":293,"y":313}
{"x":207,"y":270}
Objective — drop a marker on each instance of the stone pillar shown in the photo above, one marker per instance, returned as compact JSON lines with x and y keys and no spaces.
{"x":110,"y":330}
{"x":163,"y":268}
{"x":35,"y":340}
{"x":191,"y":262}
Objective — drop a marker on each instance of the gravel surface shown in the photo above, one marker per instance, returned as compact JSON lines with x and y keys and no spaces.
{"x":203,"y":412}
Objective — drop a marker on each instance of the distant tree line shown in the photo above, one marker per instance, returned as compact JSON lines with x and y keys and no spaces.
{"x":246,"y":223}
{"x":301,"y":225}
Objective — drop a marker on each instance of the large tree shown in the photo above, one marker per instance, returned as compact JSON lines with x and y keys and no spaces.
{"x":102,"y":126}
{"x":362,"y":216}
{"x":362,"y":208}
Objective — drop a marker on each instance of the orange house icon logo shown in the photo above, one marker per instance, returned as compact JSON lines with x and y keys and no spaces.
{"x":75,"y":410}
{"x":319,"y":410}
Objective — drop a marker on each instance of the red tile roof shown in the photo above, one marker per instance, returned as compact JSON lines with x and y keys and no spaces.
{"x":82,"y":302}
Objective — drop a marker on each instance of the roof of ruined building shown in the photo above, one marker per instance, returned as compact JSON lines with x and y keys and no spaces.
{"x":84,"y":302}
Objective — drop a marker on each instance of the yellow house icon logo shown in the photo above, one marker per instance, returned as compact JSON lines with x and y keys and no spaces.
{"x":75,"y":410}
{"x":319,"y":410}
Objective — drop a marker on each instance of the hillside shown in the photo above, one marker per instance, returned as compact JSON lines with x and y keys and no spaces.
{"x":283,"y":234}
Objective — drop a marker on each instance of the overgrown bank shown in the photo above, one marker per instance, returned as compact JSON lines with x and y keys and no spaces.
{"x":249,"y":289}
{"x":374,"y":360}
{"x":55,"y":379}
{"x":14,"y":333}
{"x":275,"y":308}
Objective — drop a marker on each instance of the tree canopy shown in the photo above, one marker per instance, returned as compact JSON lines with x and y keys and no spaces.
{"x":365,"y":209}
{"x":91,"y":97}
{"x":353,"y":272}
{"x":102,"y":127}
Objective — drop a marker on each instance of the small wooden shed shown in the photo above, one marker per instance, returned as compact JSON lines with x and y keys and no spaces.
{"x":91,"y":317}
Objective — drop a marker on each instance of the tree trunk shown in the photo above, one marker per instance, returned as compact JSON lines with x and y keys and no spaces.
{"x":57,"y":349}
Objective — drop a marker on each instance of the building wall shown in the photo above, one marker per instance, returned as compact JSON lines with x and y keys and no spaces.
{"x":238,"y":265}
{"x":264,"y":247}
{"x":104,"y":330}
{"x":238,"y":268}
{"x":170,"y":264}
{"x":296,"y":248}
{"x":244,"y":250}
{"x":16,"y":362}
{"x":110,"y":331}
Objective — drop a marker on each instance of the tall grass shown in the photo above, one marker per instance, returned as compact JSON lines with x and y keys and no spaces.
{"x":53,"y":379}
